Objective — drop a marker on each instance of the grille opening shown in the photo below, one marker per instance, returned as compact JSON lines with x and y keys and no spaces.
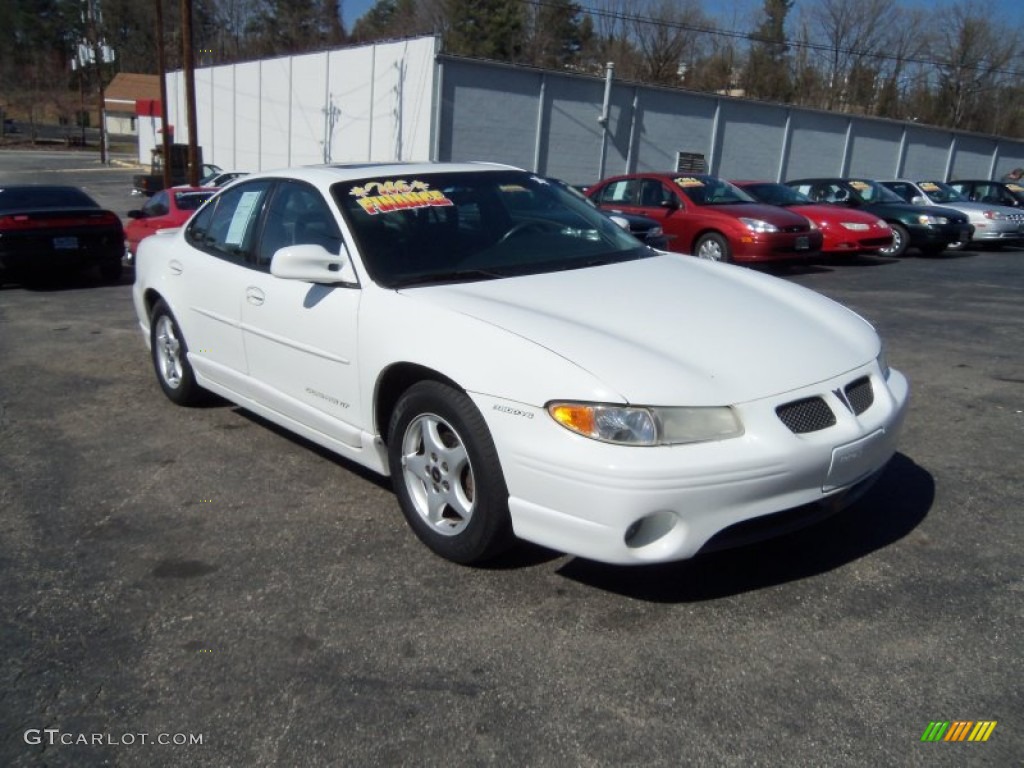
{"x":808,"y":415}
{"x":860,"y":395}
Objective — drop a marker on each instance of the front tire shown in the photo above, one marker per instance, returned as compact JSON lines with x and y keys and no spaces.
{"x":170,"y":358}
{"x":713,"y":247}
{"x":900,"y":241}
{"x":446,"y":474}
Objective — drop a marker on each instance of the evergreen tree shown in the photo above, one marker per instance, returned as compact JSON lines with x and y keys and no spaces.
{"x":766,"y":75}
{"x":489,"y":29}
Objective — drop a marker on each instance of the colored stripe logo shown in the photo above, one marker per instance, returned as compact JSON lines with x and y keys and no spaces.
{"x":958,"y":730}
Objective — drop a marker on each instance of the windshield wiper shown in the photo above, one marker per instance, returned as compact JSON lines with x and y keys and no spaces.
{"x":451,"y":276}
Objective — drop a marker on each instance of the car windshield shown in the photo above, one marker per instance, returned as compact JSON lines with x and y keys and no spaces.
{"x":872,"y":192}
{"x":1016,"y":189}
{"x":938,"y":192}
{"x":776,"y":194}
{"x":190,"y":201}
{"x":29,"y":198}
{"x":452,"y":227}
{"x":708,"y":190}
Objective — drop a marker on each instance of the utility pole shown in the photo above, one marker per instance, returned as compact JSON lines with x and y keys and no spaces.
{"x":97,"y":48}
{"x":161,"y":64}
{"x":188,"y":66}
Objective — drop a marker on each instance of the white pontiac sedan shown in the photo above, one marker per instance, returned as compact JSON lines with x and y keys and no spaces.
{"x":519,"y":364}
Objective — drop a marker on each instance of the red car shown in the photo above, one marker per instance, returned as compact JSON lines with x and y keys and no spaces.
{"x":167,"y":209}
{"x":845,"y":231}
{"x":709,"y":217}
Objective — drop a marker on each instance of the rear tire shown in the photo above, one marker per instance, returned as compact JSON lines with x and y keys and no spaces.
{"x":446,"y":474}
{"x":170,"y":358}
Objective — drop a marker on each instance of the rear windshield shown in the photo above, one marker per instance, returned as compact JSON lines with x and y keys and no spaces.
{"x":26,"y":198}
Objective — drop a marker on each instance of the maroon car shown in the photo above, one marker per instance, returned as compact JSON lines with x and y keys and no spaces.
{"x":709,"y":217}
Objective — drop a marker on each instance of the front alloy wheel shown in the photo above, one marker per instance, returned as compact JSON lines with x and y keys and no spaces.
{"x":446,"y":474}
{"x":900,"y":241}
{"x":713,"y":247}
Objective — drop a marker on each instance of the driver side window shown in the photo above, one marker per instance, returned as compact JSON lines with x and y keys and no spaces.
{"x":296,"y":215}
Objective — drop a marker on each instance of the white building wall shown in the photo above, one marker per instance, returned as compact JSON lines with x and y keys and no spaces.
{"x":275,"y":113}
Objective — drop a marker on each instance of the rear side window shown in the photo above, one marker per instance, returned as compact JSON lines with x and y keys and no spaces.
{"x":227,"y":228}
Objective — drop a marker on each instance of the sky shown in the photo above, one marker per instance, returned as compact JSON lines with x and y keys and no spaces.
{"x":734,"y":13}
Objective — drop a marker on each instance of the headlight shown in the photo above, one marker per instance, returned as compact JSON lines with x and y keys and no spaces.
{"x":996,"y":215}
{"x":883,"y":361}
{"x":856,"y":226}
{"x":643,"y":425}
{"x":758,"y":226}
{"x":924,"y":218}
{"x":814,"y":224}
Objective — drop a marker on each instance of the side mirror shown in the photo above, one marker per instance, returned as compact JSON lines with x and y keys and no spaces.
{"x":671,"y":204}
{"x":312,"y":263}
{"x":136,"y":214}
{"x":919,"y":200}
{"x":624,"y":223}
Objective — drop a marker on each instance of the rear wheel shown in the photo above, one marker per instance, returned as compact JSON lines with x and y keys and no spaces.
{"x":713,"y":247}
{"x":170,"y":358}
{"x":446,"y":474}
{"x":900,"y":241}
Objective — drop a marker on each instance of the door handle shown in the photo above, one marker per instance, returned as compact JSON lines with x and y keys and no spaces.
{"x":254,"y":295}
{"x":175,"y":267}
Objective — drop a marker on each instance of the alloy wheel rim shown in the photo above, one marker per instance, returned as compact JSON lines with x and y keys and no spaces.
{"x":438,"y":474}
{"x":710,"y":250}
{"x":168,"y":352}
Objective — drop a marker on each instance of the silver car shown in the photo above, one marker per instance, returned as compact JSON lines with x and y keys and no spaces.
{"x":993,"y":224}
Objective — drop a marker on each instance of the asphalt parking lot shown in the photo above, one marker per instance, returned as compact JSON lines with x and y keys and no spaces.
{"x":200,"y":578}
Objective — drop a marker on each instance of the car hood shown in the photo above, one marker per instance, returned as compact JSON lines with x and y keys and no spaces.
{"x":672,"y":329}
{"x":910,"y":211}
{"x":834,"y":213}
{"x":780,"y":217}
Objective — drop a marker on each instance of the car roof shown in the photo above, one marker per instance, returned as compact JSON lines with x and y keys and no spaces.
{"x":340,"y":172}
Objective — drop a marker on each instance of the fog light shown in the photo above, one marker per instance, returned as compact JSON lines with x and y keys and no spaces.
{"x":650,"y":529}
{"x":632,"y":531}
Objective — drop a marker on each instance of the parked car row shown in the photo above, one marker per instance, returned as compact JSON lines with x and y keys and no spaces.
{"x":756,"y":221}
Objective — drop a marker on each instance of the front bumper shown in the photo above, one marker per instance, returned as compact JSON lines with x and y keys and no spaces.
{"x":777,"y":246}
{"x":1007,"y":232}
{"x":922,"y":236}
{"x":632,"y":505}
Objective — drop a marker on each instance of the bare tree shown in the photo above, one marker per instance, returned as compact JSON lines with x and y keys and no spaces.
{"x":669,"y":37}
{"x":853,"y":35}
{"x":974,"y":59}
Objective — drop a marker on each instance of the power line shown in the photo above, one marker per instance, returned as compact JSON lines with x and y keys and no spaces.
{"x":753,"y":38}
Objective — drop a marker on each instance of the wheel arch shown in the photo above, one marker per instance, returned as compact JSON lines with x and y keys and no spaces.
{"x":392,"y":382}
{"x":708,"y":231}
{"x":150,"y":298}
